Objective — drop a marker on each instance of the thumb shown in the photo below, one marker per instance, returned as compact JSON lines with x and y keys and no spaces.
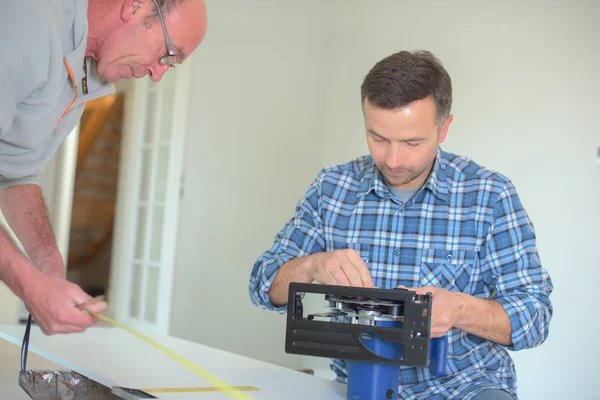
{"x":80,"y":300}
{"x":78,"y":296}
{"x":96,"y":306}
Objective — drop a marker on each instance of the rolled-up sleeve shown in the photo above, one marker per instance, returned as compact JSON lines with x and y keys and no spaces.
{"x":21,"y":74}
{"x":26,"y":180}
{"x":522,"y":284}
{"x":302,"y":235}
{"x":8,"y":109}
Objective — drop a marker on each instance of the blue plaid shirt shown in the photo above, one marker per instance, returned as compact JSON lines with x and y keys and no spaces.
{"x":465,"y":230}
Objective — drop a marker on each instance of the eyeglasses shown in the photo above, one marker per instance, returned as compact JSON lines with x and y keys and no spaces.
{"x":170,"y":58}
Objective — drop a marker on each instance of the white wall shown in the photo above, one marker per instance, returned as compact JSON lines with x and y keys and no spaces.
{"x":255,"y":120}
{"x":276,"y":77}
{"x":526,"y":90}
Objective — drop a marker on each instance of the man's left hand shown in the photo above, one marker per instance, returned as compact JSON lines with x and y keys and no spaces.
{"x":446,"y":310}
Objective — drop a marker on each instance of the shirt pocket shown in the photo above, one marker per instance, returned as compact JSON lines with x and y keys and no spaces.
{"x":453,"y":270}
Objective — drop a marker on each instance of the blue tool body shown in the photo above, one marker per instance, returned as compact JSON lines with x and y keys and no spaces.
{"x":374,"y":381}
{"x":376,"y":331}
{"x":367,"y":380}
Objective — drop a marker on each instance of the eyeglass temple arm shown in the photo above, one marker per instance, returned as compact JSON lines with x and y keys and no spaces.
{"x":164,"y":27}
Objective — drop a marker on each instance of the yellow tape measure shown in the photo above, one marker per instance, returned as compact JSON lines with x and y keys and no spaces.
{"x":196,"y":389}
{"x":234,"y":392}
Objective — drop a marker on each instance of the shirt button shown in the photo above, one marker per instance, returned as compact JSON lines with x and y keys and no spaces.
{"x":401,"y":212}
{"x":396,"y":253}
{"x":449,"y":257}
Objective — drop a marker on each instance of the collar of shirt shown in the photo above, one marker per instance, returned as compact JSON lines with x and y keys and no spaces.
{"x":437,"y":183}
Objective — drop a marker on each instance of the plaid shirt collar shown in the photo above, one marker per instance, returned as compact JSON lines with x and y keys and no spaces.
{"x":437,"y":183}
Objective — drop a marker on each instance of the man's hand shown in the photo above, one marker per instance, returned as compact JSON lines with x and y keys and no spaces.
{"x":342,"y":268}
{"x":446,"y":310}
{"x":53,"y":304}
{"x":339,"y":267}
{"x":481,"y":317}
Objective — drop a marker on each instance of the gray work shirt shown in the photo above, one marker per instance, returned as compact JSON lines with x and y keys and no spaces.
{"x":42,"y":47}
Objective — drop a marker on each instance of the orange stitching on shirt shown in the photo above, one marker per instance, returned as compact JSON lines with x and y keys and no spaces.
{"x":74,"y":95}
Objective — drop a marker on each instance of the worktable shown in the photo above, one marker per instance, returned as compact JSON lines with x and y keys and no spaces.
{"x":114,"y":357}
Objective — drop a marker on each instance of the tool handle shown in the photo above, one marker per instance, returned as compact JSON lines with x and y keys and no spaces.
{"x":438,"y":349}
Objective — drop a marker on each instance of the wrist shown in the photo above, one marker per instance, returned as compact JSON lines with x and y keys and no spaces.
{"x":26,"y":278}
{"x":306,"y":269}
{"x":52,"y":265}
{"x":462,"y":302}
{"x":46,"y":257}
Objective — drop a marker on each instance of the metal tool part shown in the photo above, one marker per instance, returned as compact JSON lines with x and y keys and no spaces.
{"x":65,"y":385}
{"x":131,"y":394}
{"x":376,"y":331}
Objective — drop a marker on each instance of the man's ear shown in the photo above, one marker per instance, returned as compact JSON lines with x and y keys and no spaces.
{"x":445,"y":127}
{"x":130,"y":8}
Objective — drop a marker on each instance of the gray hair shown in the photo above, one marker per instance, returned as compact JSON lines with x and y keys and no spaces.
{"x":166,"y":6}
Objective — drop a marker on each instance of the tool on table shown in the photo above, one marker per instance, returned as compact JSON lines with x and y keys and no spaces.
{"x":376,"y":331}
{"x":131,"y":394}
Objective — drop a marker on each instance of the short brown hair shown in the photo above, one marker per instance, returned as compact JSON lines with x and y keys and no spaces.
{"x":404,"y":77}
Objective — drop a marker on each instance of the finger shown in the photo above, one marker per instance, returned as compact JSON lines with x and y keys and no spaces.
{"x":63,"y":329}
{"x":78,"y":318}
{"x":363,"y":270}
{"x":352,"y":274}
{"x":89,"y":302}
{"x":98,"y":307}
{"x":330,"y":279}
{"x":326,"y":278}
{"x":340,"y":277}
{"x":54,"y":327}
{"x":80,"y":298}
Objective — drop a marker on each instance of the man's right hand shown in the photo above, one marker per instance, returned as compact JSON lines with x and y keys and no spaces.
{"x":53,"y":304}
{"x":341,"y":268}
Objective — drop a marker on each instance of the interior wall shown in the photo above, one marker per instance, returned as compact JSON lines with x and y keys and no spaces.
{"x":275,"y":96}
{"x":525,"y":80}
{"x":255,"y":119}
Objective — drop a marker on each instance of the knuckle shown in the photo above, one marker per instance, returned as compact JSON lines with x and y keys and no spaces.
{"x":339,"y":276}
{"x":330,"y":264}
{"x":53,"y":328}
{"x":62,"y":317}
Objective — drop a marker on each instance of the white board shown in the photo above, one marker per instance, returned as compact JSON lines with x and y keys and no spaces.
{"x":115,"y":357}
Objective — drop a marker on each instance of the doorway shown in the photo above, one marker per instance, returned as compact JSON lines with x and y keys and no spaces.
{"x":95,"y":193}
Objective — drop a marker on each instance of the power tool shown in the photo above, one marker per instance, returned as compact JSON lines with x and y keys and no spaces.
{"x":376,"y":331}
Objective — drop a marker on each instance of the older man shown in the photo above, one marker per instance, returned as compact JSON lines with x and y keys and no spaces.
{"x":57,"y":55}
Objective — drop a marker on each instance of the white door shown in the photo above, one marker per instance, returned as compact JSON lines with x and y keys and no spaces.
{"x":148,"y":197}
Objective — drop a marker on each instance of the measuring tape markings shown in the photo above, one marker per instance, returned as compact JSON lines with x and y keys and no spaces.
{"x":234,"y":392}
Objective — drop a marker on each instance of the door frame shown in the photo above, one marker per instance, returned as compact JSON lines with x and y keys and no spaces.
{"x":121,"y":270}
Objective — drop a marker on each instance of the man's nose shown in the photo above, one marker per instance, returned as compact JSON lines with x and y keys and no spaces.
{"x":394,"y":156}
{"x":157,"y":72}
